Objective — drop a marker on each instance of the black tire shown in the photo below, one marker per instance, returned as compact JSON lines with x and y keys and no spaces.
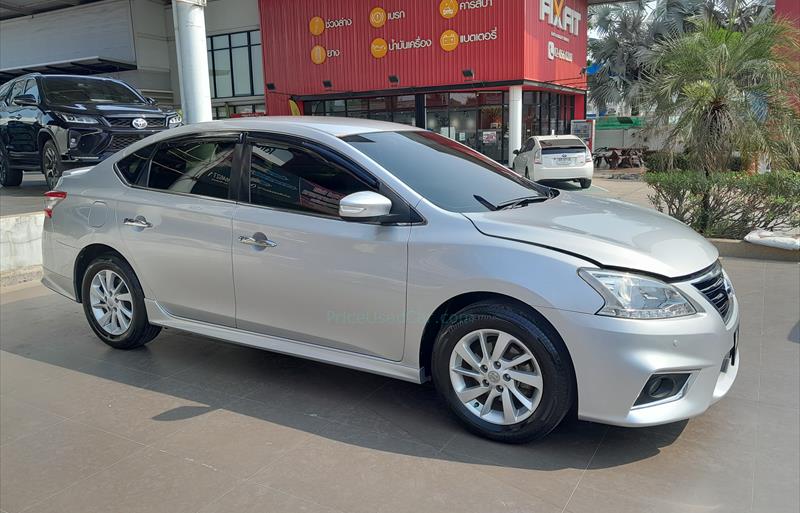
{"x":558,"y":391}
{"x":140,"y":331}
{"x":52,"y":167}
{"x":585,"y":183}
{"x":8,"y":177}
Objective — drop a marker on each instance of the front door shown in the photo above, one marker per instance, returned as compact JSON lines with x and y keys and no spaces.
{"x":304,"y":274}
{"x":177,"y":227}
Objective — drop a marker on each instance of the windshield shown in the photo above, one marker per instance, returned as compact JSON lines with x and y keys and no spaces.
{"x":446,"y":173}
{"x":67,"y":90}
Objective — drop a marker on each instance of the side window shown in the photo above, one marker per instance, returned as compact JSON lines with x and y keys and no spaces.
{"x":529,"y":145}
{"x":295,"y":179}
{"x":201,"y":167}
{"x":134,"y":166}
{"x":32,"y":88}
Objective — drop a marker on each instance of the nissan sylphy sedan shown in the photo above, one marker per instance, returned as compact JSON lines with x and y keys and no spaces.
{"x":397,"y":251}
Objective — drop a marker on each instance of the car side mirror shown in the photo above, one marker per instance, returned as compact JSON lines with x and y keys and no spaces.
{"x":516,"y":152}
{"x":25,"y":100}
{"x":364,"y":206}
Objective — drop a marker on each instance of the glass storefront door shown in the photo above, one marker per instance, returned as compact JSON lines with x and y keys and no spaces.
{"x":463,"y":127}
{"x":490,"y":132}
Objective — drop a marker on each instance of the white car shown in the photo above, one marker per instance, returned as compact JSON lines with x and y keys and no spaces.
{"x":555,"y":157}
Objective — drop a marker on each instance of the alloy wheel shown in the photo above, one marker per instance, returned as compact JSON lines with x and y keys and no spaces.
{"x":50,"y":166}
{"x":111,"y":302}
{"x":496,"y":377}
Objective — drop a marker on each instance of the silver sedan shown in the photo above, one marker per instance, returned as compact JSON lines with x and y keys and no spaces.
{"x":398,"y":251}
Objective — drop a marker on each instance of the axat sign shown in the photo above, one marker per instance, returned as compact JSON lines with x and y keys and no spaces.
{"x":560,"y":15}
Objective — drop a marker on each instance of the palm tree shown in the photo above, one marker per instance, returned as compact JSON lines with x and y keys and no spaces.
{"x":720,"y":90}
{"x":626,"y":30}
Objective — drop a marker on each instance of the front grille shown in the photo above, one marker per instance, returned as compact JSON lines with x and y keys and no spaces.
{"x":712,"y":285}
{"x":152,"y":121}
{"x":119,"y":142}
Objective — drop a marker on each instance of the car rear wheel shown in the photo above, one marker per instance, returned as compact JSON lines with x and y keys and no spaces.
{"x":8,"y":177}
{"x":51,"y":164}
{"x":504,"y":372}
{"x":585,"y":183}
{"x":113,"y":302}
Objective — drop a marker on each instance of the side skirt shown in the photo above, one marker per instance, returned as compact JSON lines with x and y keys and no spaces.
{"x":158,"y":316}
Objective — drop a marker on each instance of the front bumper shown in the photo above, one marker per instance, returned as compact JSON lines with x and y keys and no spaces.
{"x":87,"y":145}
{"x":614,"y":358}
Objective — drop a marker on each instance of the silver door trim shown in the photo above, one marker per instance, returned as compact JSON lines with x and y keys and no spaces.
{"x":160,"y":317}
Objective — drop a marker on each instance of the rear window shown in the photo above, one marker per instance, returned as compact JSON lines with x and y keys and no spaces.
{"x":564,"y":145}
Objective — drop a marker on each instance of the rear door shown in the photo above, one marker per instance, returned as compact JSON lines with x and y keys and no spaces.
{"x":176,"y":223}
{"x":303,"y":273}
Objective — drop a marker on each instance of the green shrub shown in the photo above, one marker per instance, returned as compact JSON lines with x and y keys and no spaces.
{"x":728,"y":205}
{"x":659,"y":161}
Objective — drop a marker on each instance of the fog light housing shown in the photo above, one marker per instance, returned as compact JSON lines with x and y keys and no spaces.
{"x":662,"y":388}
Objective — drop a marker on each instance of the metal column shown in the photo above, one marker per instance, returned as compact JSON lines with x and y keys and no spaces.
{"x":190,"y":43}
{"x":514,"y":121}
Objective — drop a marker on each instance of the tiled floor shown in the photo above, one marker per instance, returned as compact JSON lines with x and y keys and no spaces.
{"x":188,"y":424}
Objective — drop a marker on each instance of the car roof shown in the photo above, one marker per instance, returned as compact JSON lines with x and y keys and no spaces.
{"x":337,"y":127}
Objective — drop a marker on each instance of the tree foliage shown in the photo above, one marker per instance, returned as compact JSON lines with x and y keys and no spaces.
{"x":622,"y":31}
{"x":722,"y":91}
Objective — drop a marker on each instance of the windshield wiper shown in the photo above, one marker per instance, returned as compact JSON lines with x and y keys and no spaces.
{"x":486,"y":203}
{"x":521,"y":202}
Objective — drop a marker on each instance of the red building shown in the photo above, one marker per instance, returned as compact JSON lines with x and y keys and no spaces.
{"x":487,"y":73}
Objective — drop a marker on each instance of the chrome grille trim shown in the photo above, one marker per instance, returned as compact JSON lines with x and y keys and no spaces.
{"x":712,"y":286}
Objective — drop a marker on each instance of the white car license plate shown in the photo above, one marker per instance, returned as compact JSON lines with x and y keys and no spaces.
{"x":563,"y":161}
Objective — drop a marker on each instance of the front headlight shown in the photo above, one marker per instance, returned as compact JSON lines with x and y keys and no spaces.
{"x":174,"y":121}
{"x":633,"y":296}
{"x":77,"y":118}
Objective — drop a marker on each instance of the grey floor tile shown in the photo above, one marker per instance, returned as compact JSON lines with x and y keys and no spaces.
{"x":148,"y":482}
{"x":358,"y":471}
{"x":18,"y":419}
{"x":672,"y":471}
{"x":253,"y":498}
{"x":46,"y":462}
{"x":242,"y":438}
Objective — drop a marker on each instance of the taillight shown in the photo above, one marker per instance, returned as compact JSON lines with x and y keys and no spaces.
{"x":537,"y":156}
{"x":51,"y":199}
{"x":588,"y":157}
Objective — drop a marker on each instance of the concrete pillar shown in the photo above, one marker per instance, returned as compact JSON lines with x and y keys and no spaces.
{"x":190,"y":43}
{"x":514,"y":121}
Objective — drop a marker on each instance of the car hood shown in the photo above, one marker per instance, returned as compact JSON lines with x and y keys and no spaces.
{"x":108,"y":109}
{"x":609,"y":232}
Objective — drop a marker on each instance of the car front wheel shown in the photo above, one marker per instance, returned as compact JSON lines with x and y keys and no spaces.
{"x":504,"y":372}
{"x":113,"y":302}
{"x":52,"y":167}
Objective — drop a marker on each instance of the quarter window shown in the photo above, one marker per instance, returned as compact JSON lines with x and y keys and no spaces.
{"x":195,"y":167}
{"x":134,"y":166}
{"x":294,"y":179}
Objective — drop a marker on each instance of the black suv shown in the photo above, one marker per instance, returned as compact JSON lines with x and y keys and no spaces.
{"x":51,"y":122}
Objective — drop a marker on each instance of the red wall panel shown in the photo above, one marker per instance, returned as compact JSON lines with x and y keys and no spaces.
{"x":499,"y":40}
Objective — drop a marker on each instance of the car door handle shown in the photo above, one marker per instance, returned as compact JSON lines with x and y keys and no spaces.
{"x":257,"y":242}
{"x":15,"y":117}
{"x":139,"y":222}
